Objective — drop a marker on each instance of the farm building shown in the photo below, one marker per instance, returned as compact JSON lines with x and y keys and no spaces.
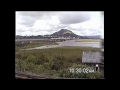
{"x":93,"y":59}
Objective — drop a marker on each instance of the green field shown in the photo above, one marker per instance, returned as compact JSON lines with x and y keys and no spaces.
{"x":39,"y":44}
{"x":54,"y":61}
{"x":33,"y":44}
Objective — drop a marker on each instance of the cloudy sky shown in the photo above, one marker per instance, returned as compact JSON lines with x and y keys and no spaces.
{"x":48,"y":22}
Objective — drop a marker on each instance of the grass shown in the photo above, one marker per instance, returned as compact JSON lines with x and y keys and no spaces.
{"x":39,"y":44}
{"x":25,"y":39}
{"x":36,"y":44}
{"x":88,"y":40}
{"x":64,"y":51}
{"x":53,"y":61}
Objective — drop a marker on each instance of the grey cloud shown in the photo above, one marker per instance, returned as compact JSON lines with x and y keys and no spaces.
{"x":29,"y":13}
{"x":23,"y":30}
{"x":87,"y":32}
{"x":29,"y":17}
{"x":36,"y":14}
{"x":71,"y":17}
{"x":62,"y":26}
{"x":66,"y":18}
{"x":28,"y":20}
{"x":19,"y":30}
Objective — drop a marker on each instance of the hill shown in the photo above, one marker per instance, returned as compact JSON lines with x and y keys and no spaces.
{"x":65,"y":33}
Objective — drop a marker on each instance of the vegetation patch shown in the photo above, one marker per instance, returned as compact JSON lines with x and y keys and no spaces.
{"x":54,"y":62}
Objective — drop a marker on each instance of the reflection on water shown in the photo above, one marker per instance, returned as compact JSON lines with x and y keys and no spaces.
{"x":73,"y":43}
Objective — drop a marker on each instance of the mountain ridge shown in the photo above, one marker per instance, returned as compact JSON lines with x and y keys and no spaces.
{"x":65,"y":33}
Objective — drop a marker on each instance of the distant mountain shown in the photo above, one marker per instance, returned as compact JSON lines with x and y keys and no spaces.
{"x":65,"y":33}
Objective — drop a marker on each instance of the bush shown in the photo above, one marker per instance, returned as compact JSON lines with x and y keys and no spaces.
{"x":30,"y":67}
{"x":31,"y":59}
{"x":22,"y":65}
{"x":95,"y":75}
{"x":58,"y":62}
{"x":39,"y":69}
{"x":47,"y":66}
{"x":92,"y":75}
{"x":41,"y":59}
{"x":18,"y":56}
{"x":64,"y":73}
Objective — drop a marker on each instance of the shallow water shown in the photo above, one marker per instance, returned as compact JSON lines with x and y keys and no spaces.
{"x":70,"y":43}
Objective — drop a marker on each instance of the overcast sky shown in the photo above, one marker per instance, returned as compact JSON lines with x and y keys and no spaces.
{"x":48,"y":22}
